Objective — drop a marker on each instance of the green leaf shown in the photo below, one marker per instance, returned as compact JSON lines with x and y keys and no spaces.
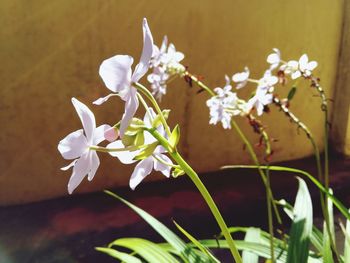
{"x":147,"y":151}
{"x":148,"y":250}
{"x":124,"y":257}
{"x":175,"y":136}
{"x":291,"y":93}
{"x":347,"y":242}
{"x":299,"y":241}
{"x":196,"y":243}
{"x":252,"y":235}
{"x":157,"y":120}
{"x":177,"y":243}
{"x":335,"y":201}
{"x":327,"y":249}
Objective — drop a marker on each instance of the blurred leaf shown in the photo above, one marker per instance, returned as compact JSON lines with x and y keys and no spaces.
{"x":124,"y":257}
{"x":148,"y":250}
{"x":327,"y":249}
{"x":347,"y":242}
{"x":196,"y":243}
{"x":291,"y":93}
{"x":177,"y":243}
{"x":252,"y":235}
{"x":299,"y":237}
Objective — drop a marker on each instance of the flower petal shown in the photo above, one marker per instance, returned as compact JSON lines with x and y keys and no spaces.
{"x":94,"y":164}
{"x":124,"y":157}
{"x":131,"y":106}
{"x":99,"y":134}
{"x":69,"y":165}
{"x":80,"y":169}
{"x":111,"y":134}
{"x":116,"y":72}
{"x":73,"y":145}
{"x":141,"y":170}
{"x":102,"y":100}
{"x":312,"y":65}
{"x":161,"y":167}
{"x":87,"y":118}
{"x":147,"y":51}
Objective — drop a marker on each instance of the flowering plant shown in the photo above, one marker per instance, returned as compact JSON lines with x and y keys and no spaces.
{"x":152,"y":144}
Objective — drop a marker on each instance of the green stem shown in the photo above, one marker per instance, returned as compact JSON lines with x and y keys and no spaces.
{"x":204,"y":192}
{"x":106,"y":150}
{"x":149,"y":96}
{"x":270,"y":218}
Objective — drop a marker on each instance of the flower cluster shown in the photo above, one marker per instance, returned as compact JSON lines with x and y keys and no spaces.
{"x":226,"y":104}
{"x":165,"y":63}
{"x":135,"y":143}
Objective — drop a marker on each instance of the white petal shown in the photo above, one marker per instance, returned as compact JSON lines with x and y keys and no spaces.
{"x":161,"y":167}
{"x":73,"y":145}
{"x":116,"y":72}
{"x":296,"y":74}
{"x":99,"y":134}
{"x":80,"y":169}
{"x":87,"y":118}
{"x":124,"y":157}
{"x":164,"y":44}
{"x":69,"y":165}
{"x":141,"y":170}
{"x":130,"y":109}
{"x":148,"y":119}
{"x":312,"y":65}
{"x":94,"y":164}
{"x":102,"y":100}
{"x":143,"y":65}
{"x":303,"y":61}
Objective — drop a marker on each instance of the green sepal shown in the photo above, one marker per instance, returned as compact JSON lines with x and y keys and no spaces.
{"x":175,"y":136}
{"x":291,"y":93}
{"x":139,"y":139}
{"x":147,"y":151}
{"x":157,"y":120}
{"x":135,"y":126}
{"x":128,"y":140}
{"x":177,"y":172}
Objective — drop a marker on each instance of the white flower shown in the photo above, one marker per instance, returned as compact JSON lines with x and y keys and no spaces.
{"x":156,"y":160}
{"x":165,"y":63}
{"x":297,"y":68}
{"x":261,"y":98}
{"x":223,"y":106}
{"x":305,"y":66}
{"x":274,"y":59}
{"x":117,"y":75}
{"x":268,"y":81}
{"x":158,"y":80}
{"x":76,"y":146}
{"x":241,"y":78}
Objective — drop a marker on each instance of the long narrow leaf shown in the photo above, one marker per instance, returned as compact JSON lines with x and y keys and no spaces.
{"x":299,"y":241}
{"x":196,"y":243}
{"x":177,"y":243}
{"x":252,"y":235}
{"x":327,"y":250}
{"x":148,"y":250}
{"x":335,"y":201}
{"x":347,"y":242}
{"x":124,"y":257}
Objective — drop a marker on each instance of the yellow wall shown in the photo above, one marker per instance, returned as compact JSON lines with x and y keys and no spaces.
{"x":50,"y":51}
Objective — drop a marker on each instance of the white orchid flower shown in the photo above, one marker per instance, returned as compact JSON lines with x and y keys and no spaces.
{"x":274,"y":59}
{"x":261,"y":99}
{"x":223,"y":106}
{"x":296,"y":68}
{"x":241,"y":78}
{"x":305,"y":66}
{"x":268,"y":81}
{"x":76,"y":145}
{"x":165,"y":63}
{"x":118,"y":77}
{"x":156,"y":160}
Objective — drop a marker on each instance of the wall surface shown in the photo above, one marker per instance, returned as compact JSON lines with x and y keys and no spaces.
{"x":51,"y":50}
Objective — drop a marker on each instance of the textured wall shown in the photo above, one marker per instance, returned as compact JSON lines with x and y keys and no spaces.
{"x":51,"y":51}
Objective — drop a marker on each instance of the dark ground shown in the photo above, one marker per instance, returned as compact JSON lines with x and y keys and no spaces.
{"x":67,"y":229}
